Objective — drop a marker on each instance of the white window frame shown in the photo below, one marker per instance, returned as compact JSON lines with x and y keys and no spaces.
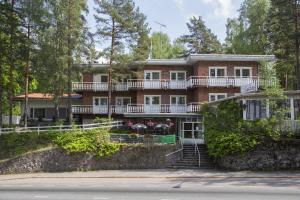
{"x":122,"y":100}
{"x":241,"y":68}
{"x":215,"y":94}
{"x":100,"y":97}
{"x":177,"y":75}
{"x":176,"y":97}
{"x":152,"y":96}
{"x":150,"y":71}
{"x":217,"y":67}
{"x":100,"y":78}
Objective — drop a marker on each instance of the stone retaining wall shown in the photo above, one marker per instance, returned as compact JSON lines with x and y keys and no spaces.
{"x":57,"y":160}
{"x":281,"y":155}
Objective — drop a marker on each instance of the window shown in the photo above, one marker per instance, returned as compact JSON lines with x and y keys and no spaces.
{"x":216,"y":96}
{"x":38,"y":112}
{"x":152,"y":75}
{"x":217,"y":71}
{"x":178,"y":75}
{"x":178,"y":100}
{"x":242,"y":72}
{"x":152,"y":100}
{"x":100,"y":101}
{"x":123,"y":101}
{"x":63,"y":113}
{"x":255,"y":109}
{"x":102,"y":78}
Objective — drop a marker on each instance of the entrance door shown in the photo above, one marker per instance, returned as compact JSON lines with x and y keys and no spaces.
{"x":152,"y":80}
{"x":100,"y":105}
{"x":191,"y":132}
{"x":152,"y":104}
{"x":178,"y":104}
{"x":178,"y":80}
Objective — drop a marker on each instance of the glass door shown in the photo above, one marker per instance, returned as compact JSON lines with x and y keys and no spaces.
{"x":178,"y":104}
{"x":242,"y":76}
{"x":178,"y":80}
{"x":121,"y":104}
{"x":191,"y":132}
{"x":100,"y":105}
{"x":152,"y":104}
{"x":217,"y":76}
{"x":152,"y":80}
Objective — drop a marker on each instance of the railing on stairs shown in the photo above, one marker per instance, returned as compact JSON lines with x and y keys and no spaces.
{"x":178,"y":150}
{"x":197,"y":151}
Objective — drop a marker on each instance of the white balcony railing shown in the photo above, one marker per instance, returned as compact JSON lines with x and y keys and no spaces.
{"x":192,"y":81}
{"x":119,"y":109}
{"x":89,"y":86}
{"x":147,"y":84}
{"x":137,"y":108}
{"x":163,"y":108}
{"x":225,"y":81}
{"x":82,"y":109}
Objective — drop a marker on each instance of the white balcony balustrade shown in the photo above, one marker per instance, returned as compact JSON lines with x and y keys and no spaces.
{"x":156,"y":84}
{"x":119,"y":109}
{"x":89,"y":86}
{"x":162,"y":108}
{"x":225,"y":81}
{"x":194,"y":108}
{"x":82,"y":109}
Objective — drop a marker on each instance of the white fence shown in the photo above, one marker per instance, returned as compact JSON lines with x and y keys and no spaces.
{"x":60,"y":128}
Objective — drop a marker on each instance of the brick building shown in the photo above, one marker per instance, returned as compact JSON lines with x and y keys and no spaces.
{"x":167,"y":90}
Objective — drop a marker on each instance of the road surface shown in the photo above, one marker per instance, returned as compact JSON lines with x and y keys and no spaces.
{"x":150,"y":188}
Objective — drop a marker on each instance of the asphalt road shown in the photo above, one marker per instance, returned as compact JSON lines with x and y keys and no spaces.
{"x":150,"y":188}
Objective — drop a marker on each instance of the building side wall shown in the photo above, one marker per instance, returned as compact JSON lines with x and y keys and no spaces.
{"x":202,"y":68}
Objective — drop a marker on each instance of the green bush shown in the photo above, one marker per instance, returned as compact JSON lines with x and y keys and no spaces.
{"x":95,"y":141}
{"x":14,"y":144}
{"x":227,"y":133}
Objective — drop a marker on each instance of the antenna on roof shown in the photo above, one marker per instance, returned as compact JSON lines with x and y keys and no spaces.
{"x":150,"y":52}
{"x":160,"y":27}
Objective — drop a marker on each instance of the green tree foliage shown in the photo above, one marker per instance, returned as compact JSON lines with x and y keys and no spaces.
{"x":283,"y":33}
{"x":200,"y":39}
{"x":122,"y":26}
{"x":163,"y":48}
{"x":90,"y":141}
{"x":59,"y":45}
{"x":247,"y":33}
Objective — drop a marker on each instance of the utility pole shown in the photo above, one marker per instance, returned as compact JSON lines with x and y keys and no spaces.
{"x":160,"y":31}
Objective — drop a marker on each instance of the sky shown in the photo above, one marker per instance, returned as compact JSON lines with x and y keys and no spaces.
{"x":176,"y":13}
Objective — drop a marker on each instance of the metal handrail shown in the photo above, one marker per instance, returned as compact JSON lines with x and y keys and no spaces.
{"x":178,"y":150}
{"x":197,"y":150}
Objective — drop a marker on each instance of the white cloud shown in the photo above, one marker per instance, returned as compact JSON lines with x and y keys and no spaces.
{"x":222,"y":8}
{"x":179,"y":4}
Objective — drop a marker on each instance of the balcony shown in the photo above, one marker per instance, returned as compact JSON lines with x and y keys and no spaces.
{"x":90,"y":109}
{"x":156,"y":84}
{"x":97,"y":86}
{"x":226,"y":81}
{"x":137,"y":108}
{"x":192,"y":81}
{"x":163,"y":108}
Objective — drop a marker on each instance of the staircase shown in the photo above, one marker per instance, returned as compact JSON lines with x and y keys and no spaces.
{"x":190,"y":159}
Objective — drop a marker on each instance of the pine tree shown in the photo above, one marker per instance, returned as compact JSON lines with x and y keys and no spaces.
{"x":122,"y":24}
{"x":247,"y":33}
{"x":200,"y":39}
{"x":32,"y":12}
{"x":283,"y":33}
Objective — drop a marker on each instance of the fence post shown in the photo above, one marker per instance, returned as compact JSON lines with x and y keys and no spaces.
{"x":38,"y":130}
{"x":60,"y":128}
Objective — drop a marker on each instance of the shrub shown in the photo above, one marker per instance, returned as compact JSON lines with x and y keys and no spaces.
{"x":14,"y":144}
{"x":226,"y":132}
{"x":95,"y":141}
